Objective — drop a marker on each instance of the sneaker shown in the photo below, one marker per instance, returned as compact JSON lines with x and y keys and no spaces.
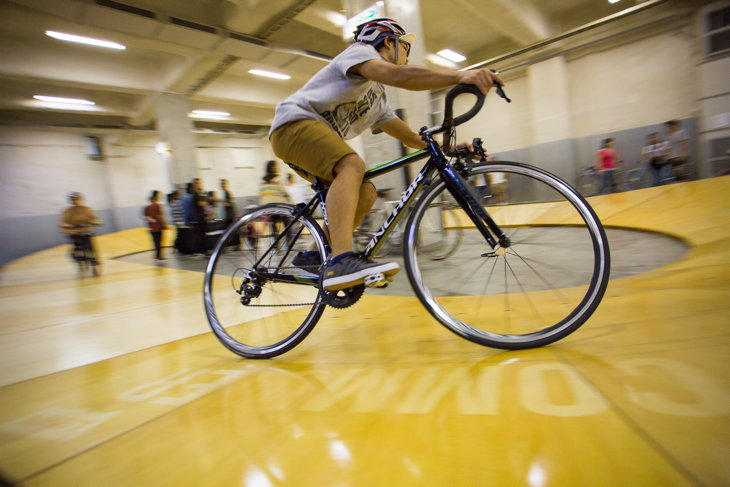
{"x":308,"y":261}
{"x":348,"y":269}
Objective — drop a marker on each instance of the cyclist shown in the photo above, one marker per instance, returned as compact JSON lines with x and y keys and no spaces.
{"x":76,"y":222}
{"x":340,"y":102}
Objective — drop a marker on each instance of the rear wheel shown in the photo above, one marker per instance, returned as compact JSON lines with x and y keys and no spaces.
{"x":537,"y":290}
{"x":258,"y":303}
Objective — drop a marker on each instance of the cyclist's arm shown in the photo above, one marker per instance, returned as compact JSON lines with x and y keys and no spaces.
{"x":418,"y":78}
{"x":400,"y":130}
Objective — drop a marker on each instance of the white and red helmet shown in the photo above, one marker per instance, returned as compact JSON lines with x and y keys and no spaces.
{"x":374,"y":31}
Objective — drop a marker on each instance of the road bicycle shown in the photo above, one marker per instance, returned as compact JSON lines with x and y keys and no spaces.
{"x":589,"y":181}
{"x":529,"y":271}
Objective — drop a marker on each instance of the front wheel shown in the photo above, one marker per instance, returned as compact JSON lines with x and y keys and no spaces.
{"x":259,"y":302}
{"x":537,"y":290}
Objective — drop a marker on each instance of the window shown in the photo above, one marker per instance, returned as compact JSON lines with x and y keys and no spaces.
{"x":716,"y":31}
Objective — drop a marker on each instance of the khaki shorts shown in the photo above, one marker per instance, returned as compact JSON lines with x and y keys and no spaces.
{"x":310,"y":147}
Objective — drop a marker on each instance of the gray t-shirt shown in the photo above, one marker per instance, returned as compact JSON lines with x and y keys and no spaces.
{"x":349,"y":103}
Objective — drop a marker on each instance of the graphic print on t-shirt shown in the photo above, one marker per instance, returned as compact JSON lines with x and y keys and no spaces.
{"x":345,"y":114}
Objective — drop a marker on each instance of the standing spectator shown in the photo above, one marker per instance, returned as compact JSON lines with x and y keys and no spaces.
{"x":155,"y":218}
{"x":481,"y":185}
{"x":498,"y":186}
{"x":606,"y":164}
{"x":297,"y":191}
{"x":654,"y":155}
{"x":271,"y":190}
{"x":228,"y":203}
{"x":211,"y":210}
{"x":194,"y":204}
{"x":177,"y":216}
{"x":200,"y":205}
{"x":176,"y":208}
{"x":678,"y":149}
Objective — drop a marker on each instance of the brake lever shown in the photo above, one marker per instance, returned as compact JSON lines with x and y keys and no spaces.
{"x":500,"y":92}
{"x":479,"y":149}
{"x":500,"y":88}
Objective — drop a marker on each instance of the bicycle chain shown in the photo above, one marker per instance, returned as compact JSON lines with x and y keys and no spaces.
{"x":250,"y":305}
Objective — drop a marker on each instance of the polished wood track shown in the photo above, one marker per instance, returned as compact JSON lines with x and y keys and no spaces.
{"x":117,"y":380}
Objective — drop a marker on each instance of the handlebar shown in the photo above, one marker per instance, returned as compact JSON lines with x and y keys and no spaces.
{"x":449,"y":120}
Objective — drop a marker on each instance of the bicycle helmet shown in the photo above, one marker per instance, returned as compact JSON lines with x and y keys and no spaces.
{"x":73,"y":195}
{"x":376,"y":30}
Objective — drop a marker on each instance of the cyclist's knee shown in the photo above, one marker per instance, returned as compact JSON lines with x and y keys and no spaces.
{"x":368,"y":194}
{"x":351,"y":162}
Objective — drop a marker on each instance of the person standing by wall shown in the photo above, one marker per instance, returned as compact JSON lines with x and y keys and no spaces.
{"x":654,"y":156}
{"x":228,"y":203}
{"x":606,"y":164}
{"x":678,"y":149}
{"x":155,"y":218}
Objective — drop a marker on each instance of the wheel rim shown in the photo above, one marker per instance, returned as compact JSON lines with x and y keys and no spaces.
{"x":279,"y":314}
{"x":536,"y":291}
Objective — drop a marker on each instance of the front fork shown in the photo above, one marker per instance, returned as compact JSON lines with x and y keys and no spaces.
{"x":464,"y":195}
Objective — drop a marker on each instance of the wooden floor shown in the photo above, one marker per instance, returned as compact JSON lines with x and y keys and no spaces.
{"x":117,"y":380}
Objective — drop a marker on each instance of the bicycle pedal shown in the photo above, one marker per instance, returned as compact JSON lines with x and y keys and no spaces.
{"x":377,"y":280}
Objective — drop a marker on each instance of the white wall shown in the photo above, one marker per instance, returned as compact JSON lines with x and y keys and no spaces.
{"x":632,"y":85}
{"x":618,"y":87}
{"x":37,"y":168}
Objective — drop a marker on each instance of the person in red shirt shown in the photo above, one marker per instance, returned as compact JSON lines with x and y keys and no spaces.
{"x":155,"y":218}
{"x":606,"y":164}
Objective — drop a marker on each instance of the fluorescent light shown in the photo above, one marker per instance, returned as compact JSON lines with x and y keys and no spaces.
{"x":269,"y":74}
{"x":451,"y":55}
{"x":441,"y":61}
{"x":84,"y":40}
{"x":210,"y":113}
{"x":613,"y":1}
{"x":335,"y":17}
{"x":67,"y":101}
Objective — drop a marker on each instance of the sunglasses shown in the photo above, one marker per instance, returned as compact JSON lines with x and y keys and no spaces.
{"x":407,"y":45}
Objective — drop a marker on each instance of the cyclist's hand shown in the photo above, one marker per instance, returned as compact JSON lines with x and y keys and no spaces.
{"x":470,"y":147}
{"x":484,"y":79}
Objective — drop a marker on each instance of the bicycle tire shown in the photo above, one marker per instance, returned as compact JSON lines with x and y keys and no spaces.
{"x":282,"y":314}
{"x":556,"y":290}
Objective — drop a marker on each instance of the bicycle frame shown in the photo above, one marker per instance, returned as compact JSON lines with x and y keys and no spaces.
{"x":437,"y":163}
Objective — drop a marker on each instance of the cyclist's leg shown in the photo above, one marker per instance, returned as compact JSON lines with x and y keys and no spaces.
{"x":343,"y":202}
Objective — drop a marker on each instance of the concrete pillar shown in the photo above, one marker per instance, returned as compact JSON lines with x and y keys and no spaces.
{"x":550,"y":102}
{"x":552,"y":133}
{"x":176,"y":129}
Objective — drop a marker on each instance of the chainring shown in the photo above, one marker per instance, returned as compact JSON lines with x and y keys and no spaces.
{"x":344,"y":298}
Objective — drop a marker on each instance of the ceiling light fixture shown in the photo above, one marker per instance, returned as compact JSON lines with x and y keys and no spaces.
{"x":211,"y":114}
{"x":441,"y":61}
{"x":84,"y":40}
{"x":269,"y":74}
{"x":613,"y":1}
{"x":66,"y":101}
{"x":451,"y":55}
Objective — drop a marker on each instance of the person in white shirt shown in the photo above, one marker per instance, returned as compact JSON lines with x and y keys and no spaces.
{"x":341,"y":101}
{"x":654,"y":155}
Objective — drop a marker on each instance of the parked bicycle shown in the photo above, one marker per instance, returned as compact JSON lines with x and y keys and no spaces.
{"x":589,"y":181}
{"x":529,"y":271}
